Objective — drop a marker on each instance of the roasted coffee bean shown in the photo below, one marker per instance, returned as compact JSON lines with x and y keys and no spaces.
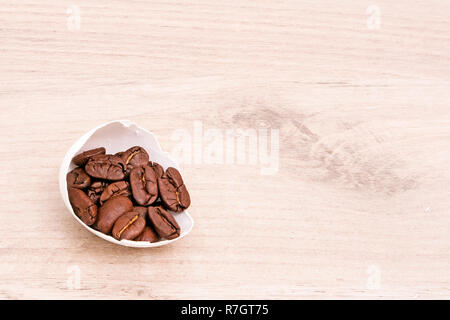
{"x":159,"y":170}
{"x":144,"y":185}
{"x":81,"y":159}
{"x":119,"y":188}
{"x":110,"y":211}
{"x":83,"y":206}
{"x":128,"y":226}
{"x":107,"y":167}
{"x":95,"y":190}
{"x":148,"y":235}
{"x":164,"y":223}
{"x":134,"y":157}
{"x":173,"y":192}
{"x":78,"y":178}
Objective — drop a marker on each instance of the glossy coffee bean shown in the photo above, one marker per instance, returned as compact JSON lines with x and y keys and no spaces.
{"x":144,"y":185}
{"x":119,"y":188}
{"x":172,"y":191}
{"x":148,"y":235}
{"x":128,"y":226}
{"x":81,"y":159}
{"x":83,"y":206}
{"x":109,"y":167}
{"x":164,"y":223}
{"x":78,"y":178}
{"x":134,"y":157}
{"x":110,"y":211}
{"x":95,"y":190}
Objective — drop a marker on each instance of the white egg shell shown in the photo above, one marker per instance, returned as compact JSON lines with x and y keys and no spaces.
{"x":118,"y":136}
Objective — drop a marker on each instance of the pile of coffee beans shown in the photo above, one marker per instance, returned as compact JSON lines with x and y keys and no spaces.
{"x":126,"y":195}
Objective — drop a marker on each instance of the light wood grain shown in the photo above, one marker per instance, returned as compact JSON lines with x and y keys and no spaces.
{"x":359,"y":208}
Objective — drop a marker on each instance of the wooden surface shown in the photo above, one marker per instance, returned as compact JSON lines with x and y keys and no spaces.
{"x":358,"y":91}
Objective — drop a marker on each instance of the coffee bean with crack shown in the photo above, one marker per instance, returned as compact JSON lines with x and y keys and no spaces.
{"x":148,"y":235}
{"x":78,"y":178}
{"x":81,"y":159}
{"x":95,"y":190}
{"x":118,"y":188}
{"x":128,"y":226}
{"x":108,"y":167}
{"x":134,"y":157}
{"x":83,"y":206}
{"x":144,"y":185}
{"x":173,"y":192}
{"x":110,"y":211}
{"x":164,"y":223}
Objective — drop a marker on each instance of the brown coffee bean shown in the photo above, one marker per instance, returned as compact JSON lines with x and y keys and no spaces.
{"x":134,"y":157}
{"x":119,"y":188}
{"x":144,"y":185}
{"x":128,"y":226}
{"x":173,"y":192}
{"x":95,"y":190}
{"x":83,"y":206}
{"x":81,"y":159}
{"x":110,"y":211}
{"x":148,"y":235}
{"x":164,"y":223}
{"x":78,"y":178}
{"x":106,"y":166}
